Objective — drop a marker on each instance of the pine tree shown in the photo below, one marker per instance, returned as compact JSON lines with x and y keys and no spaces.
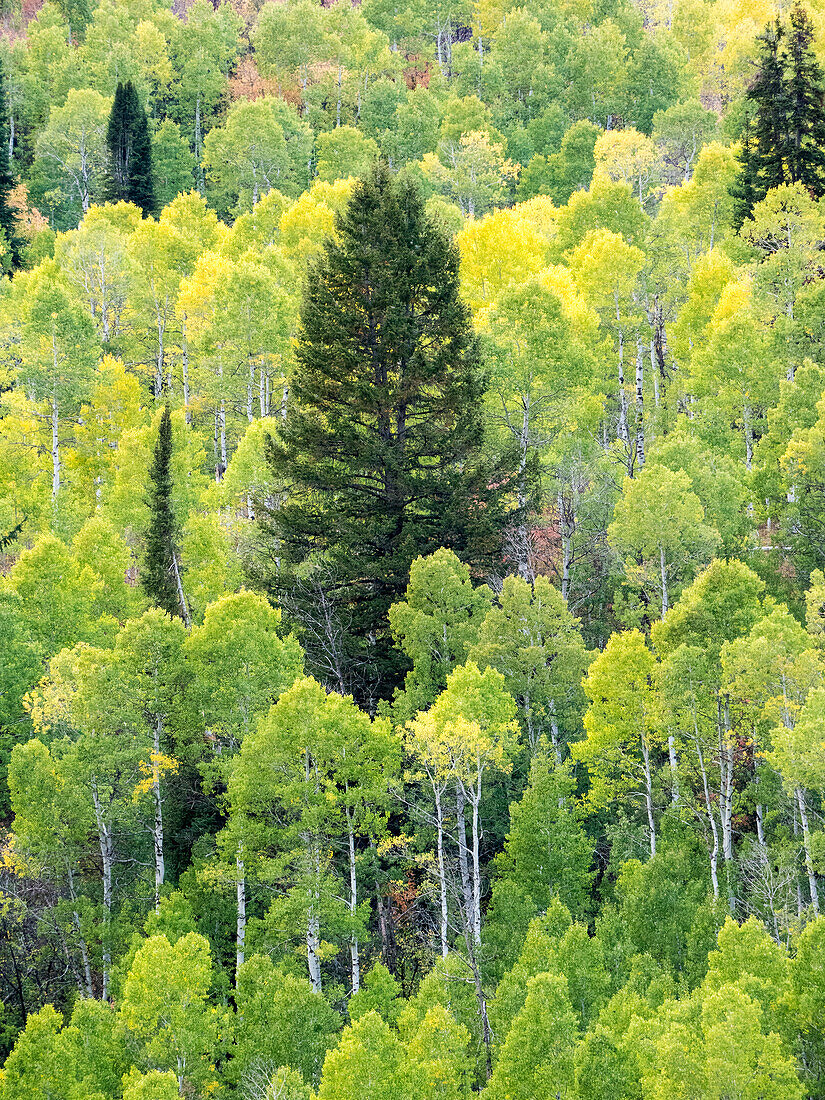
{"x":745,"y":188}
{"x":380,"y":448}
{"x":806,"y":96}
{"x":8,"y":221}
{"x":130,"y":150}
{"x":160,"y":575}
{"x":769,"y":94}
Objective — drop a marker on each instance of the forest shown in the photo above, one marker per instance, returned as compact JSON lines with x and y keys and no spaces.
{"x":412,"y":550}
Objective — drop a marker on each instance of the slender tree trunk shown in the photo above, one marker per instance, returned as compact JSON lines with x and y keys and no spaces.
{"x":314,"y":931}
{"x":463,"y":862}
{"x":104,"y":837}
{"x":640,"y":398}
{"x":806,"y":842}
{"x":475,"y":800}
{"x":249,"y":388}
{"x":55,"y":421}
{"x":184,"y":359}
{"x":566,"y":531}
{"x":714,"y":852}
{"x":663,"y":576}
{"x":674,"y":769}
{"x":184,"y":609}
{"x":353,"y":905}
{"x":442,"y":876}
{"x":624,"y":435}
{"x":157,"y":831}
{"x":651,"y":822}
{"x":240,"y":923}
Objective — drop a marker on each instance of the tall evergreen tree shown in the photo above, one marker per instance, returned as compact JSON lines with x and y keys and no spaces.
{"x":806,"y":101}
{"x":769,"y":94}
{"x":160,"y":575}
{"x":130,"y":150}
{"x":745,"y":189}
{"x":8,"y":222}
{"x":380,"y":448}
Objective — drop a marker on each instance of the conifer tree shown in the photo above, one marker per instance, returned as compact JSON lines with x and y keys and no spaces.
{"x":130,"y":150}
{"x":8,"y":222}
{"x":745,"y":188}
{"x":769,"y":94}
{"x":380,"y":448}
{"x":806,"y":101}
{"x":160,"y":575}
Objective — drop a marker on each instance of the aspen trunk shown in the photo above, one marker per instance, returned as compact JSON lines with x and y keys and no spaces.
{"x":640,"y":398}
{"x":649,"y":796}
{"x":463,"y":861}
{"x":184,"y":360}
{"x":714,"y":852}
{"x":55,"y":448}
{"x":104,"y":838}
{"x":157,"y":830}
{"x":240,"y":924}
{"x":353,"y":906}
{"x":442,"y":877}
{"x":475,"y":800}
{"x":806,"y":842}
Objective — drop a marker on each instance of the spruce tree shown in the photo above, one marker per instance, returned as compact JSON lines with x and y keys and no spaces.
{"x":381,"y":445}
{"x":8,"y":221}
{"x":130,"y":150}
{"x":159,"y":575}
{"x":769,"y":95}
{"x":745,"y":189}
{"x":806,"y":103}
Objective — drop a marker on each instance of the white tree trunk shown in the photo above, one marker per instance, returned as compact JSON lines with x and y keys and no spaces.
{"x":55,"y":448}
{"x":104,"y":837}
{"x":353,"y":906}
{"x":442,"y":876}
{"x":651,"y":822}
{"x":463,"y":861}
{"x":157,"y":829}
{"x":806,"y":842}
{"x":240,"y":924}
{"x":475,"y":800}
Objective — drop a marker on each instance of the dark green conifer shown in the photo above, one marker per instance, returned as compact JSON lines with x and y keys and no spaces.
{"x":380,"y":449}
{"x":769,"y":95}
{"x":159,"y":575}
{"x":806,"y":101}
{"x":130,"y":151}
{"x":8,"y":221}
{"x":745,"y":189}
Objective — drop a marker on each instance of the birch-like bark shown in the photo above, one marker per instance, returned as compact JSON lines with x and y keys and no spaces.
{"x":353,"y":905}
{"x":463,"y":862}
{"x":157,"y":829}
{"x":184,"y":608}
{"x":240,"y":922}
{"x":442,"y":876}
{"x":314,"y":932}
{"x":55,"y":446}
{"x":663,"y":575}
{"x":475,"y":799}
{"x":806,"y":843}
{"x":640,"y":398}
{"x":714,"y":852}
{"x":104,"y":837}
